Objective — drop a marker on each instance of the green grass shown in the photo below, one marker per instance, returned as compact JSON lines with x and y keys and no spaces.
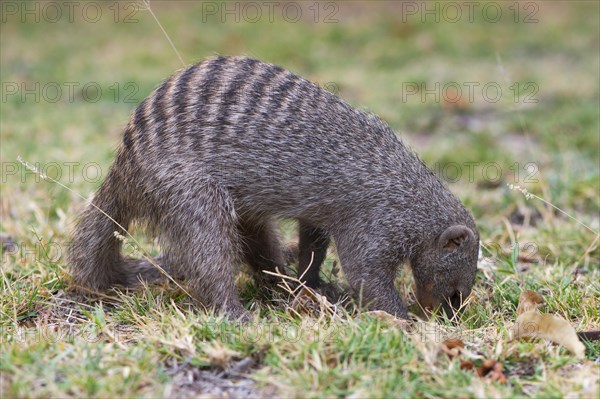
{"x":153,"y":342}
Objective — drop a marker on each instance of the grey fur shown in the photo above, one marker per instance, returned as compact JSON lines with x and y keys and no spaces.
{"x":224,"y":147}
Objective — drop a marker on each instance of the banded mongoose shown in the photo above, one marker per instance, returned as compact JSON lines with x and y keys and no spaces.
{"x":224,"y":147}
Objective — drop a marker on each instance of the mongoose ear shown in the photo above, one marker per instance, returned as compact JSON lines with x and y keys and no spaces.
{"x":455,"y":236}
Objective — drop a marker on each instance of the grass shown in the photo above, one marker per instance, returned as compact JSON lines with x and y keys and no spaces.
{"x":152,"y":342}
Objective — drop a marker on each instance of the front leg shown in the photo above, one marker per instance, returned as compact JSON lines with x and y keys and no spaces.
{"x":313,"y":245}
{"x":263,"y":250}
{"x":371,"y":276}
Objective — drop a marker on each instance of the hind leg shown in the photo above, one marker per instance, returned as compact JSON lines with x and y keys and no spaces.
{"x":313,"y":249}
{"x":201,"y":242}
{"x":263,"y":250}
{"x":94,"y":254}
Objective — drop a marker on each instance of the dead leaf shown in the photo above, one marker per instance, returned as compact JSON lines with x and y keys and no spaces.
{"x":453,"y":347}
{"x":492,"y":370}
{"x":389,"y":319}
{"x":529,"y":300}
{"x":466,"y":365}
{"x":532,"y":324}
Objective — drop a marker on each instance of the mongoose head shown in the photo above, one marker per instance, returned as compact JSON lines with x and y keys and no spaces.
{"x":445,"y":269}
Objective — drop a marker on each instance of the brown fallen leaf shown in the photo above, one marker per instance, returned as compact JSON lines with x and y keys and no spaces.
{"x":492,"y":370}
{"x":485,"y":367}
{"x":532,"y":324}
{"x":453,"y":347}
{"x":466,"y":365}
{"x":529,"y":300}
